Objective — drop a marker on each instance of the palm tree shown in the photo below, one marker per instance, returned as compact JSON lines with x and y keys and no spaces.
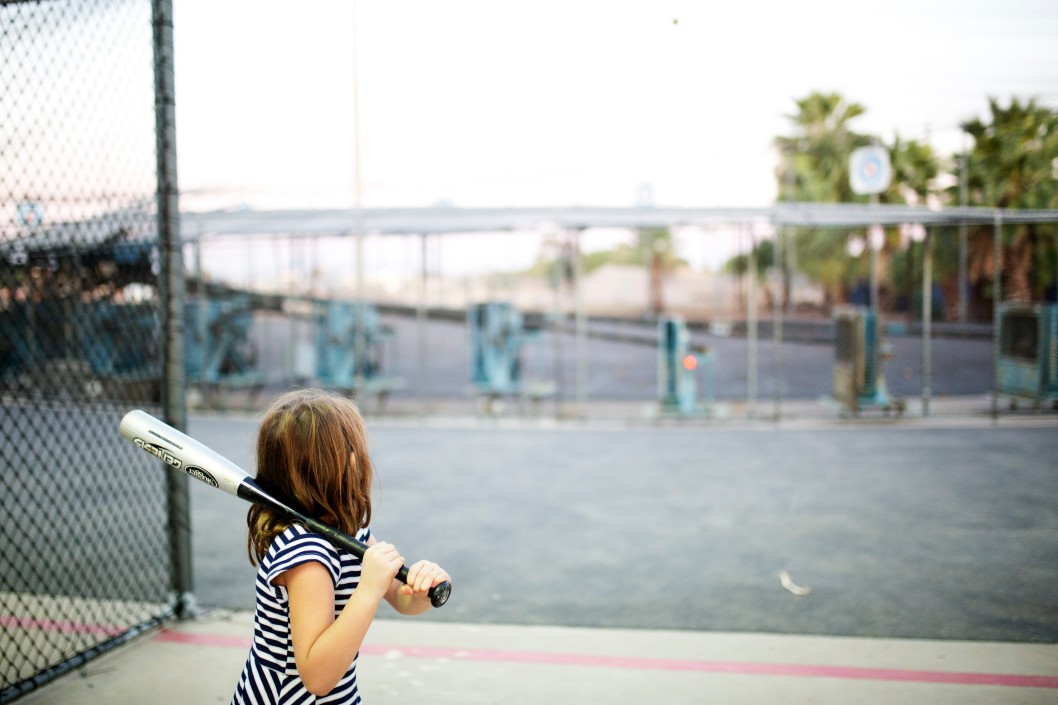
{"x":815,"y":167}
{"x":760,"y":259}
{"x":1012,"y":165}
{"x":658,"y":253}
{"x":915,"y":169}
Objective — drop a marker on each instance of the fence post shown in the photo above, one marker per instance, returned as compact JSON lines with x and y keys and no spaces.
{"x":360,"y":341}
{"x":751,"y":328}
{"x":580,"y":325}
{"x":171,"y":299}
{"x":927,"y":320}
{"x":777,"y":319}
{"x":421,"y":316}
{"x":997,"y":276}
{"x":964,"y":159}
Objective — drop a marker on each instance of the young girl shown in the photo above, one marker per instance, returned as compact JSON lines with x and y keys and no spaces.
{"x":315,"y":602}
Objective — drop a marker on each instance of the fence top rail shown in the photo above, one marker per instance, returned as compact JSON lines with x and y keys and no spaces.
{"x":824,"y":215}
{"x":414,"y":221}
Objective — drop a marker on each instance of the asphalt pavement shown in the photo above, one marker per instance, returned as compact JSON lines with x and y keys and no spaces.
{"x":923,"y":529}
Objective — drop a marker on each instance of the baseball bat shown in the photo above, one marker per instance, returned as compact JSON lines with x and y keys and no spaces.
{"x":182,"y":452}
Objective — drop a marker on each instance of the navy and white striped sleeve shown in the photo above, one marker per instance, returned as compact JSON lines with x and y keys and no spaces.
{"x":297,"y":546}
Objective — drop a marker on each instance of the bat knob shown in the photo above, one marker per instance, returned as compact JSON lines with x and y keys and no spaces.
{"x":439,"y":593}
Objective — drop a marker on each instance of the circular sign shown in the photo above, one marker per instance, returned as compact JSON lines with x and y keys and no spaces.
{"x":869,"y":170}
{"x":29,"y":214}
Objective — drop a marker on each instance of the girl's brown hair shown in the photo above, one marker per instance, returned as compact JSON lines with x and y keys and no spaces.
{"x":312,"y":454}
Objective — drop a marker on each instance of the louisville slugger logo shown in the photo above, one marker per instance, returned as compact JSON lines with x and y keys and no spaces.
{"x":200,"y":474}
{"x":159,"y":452}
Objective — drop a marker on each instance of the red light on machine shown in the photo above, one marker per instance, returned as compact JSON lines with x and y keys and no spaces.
{"x":690,"y":362}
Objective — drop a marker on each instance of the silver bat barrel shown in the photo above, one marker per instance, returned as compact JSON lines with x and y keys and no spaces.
{"x":182,"y":452}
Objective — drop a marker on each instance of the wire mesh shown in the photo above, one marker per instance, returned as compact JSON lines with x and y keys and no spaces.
{"x":769,"y":331}
{"x":84,"y":546}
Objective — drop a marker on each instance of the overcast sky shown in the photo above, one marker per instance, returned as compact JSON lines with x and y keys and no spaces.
{"x":548,"y":103}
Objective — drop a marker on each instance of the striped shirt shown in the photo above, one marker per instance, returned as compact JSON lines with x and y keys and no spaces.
{"x":271,"y":675}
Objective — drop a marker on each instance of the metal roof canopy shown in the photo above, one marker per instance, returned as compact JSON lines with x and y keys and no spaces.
{"x":132,"y":225}
{"x":414,"y":221}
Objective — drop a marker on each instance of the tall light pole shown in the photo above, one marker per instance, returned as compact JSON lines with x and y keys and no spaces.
{"x":359,"y":348}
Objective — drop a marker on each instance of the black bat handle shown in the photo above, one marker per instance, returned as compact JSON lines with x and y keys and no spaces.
{"x":251,"y":491}
{"x":438,"y":593}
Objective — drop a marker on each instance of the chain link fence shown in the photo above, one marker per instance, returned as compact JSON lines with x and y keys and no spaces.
{"x":84,"y":543}
{"x":761,"y":303}
{"x":932,"y":306}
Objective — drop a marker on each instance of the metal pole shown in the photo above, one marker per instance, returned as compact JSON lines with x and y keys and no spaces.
{"x":420,"y":319}
{"x":963,"y":245}
{"x":359,"y":346}
{"x":202,"y":329}
{"x":558,"y":323}
{"x":997,"y":273}
{"x":791,"y":247}
{"x":776,"y":325}
{"x":751,"y":330}
{"x":288,"y":290}
{"x":581,"y":325}
{"x":927,"y":321}
{"x":875,"y":308}
{"x":171,"y":294}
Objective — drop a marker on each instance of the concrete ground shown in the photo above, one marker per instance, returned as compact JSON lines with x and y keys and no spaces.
{"x":461,"y":664}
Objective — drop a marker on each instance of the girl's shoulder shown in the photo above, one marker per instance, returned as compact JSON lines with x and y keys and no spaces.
{"x":297,"y":537}
{"x":297,"y":545}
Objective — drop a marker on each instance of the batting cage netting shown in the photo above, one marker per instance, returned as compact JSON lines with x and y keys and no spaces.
{"x":85,"y":558}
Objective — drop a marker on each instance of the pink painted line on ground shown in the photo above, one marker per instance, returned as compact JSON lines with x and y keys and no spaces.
{"x":58,"y":625}
{"x":166,"y":635}
{"x":656,"y":664}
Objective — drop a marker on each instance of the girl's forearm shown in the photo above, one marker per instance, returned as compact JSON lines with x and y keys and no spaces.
{"x":329,"y":657}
